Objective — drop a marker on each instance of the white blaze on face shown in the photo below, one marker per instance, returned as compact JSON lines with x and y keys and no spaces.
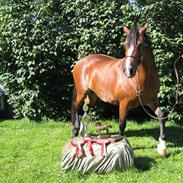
{"x":128,"y":65}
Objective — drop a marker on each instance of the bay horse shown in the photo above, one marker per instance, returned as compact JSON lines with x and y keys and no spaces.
{"x":120,"y":81}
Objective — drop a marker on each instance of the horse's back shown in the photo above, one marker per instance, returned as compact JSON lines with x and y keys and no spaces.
{"x":88,"y":64}
{"x":94,"y":62}
{"x":95,"y":58}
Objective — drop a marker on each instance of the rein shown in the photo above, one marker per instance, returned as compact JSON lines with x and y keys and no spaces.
{"x":139,"y":91}
{"x":138,"y":59}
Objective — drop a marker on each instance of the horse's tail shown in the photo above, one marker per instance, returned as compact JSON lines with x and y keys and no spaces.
{"x":74,"y":95}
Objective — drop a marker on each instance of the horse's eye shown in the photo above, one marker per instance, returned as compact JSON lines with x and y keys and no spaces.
{"x":140,"y":46}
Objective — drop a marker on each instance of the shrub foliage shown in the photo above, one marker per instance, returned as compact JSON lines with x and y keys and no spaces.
{"x":41,"y":40}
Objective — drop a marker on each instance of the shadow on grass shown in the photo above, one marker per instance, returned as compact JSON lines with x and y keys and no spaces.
{"x":174,"y":134}
{"x":144,"y":163}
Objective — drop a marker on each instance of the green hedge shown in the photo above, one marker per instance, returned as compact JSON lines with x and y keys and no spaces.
{"x":166,"y":22}
{"x":41,"y":40}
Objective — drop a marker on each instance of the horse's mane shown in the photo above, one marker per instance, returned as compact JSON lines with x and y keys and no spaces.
{"x":133,"y":36}
{"x":147,"y":40}
{"x":148,"y":44}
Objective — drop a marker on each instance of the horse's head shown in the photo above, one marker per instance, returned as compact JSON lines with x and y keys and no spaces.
{"x":134,"y":45}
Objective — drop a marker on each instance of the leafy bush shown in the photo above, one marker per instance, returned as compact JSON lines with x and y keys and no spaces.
{"x":35,"y":62}
{"x":166,"y":22}
{"x":41,"y":40}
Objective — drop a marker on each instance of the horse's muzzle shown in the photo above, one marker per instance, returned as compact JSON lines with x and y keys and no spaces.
{"x":130,"y":68}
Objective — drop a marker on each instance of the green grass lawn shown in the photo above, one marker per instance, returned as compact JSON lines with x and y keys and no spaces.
{"x":30,"y":152}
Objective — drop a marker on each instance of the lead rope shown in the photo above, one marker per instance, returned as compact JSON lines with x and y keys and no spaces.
{"x":139,"y":91}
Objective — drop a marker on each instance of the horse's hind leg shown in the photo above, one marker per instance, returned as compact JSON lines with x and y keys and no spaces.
{"x":77,"y":99}
{"x":161,"y":148}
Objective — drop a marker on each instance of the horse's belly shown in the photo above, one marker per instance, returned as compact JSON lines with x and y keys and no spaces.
{"x":104,"y":95}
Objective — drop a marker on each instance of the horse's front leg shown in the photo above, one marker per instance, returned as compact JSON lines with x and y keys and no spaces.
{"x":161,"y":147}
{"x":77,"y":99}
{"x":75,"y":121}
{"x":123,"y":108}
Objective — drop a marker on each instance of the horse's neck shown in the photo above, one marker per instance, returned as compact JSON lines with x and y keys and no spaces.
{"x":148,"y":61}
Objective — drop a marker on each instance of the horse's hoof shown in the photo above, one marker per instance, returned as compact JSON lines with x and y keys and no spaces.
{"x":161,"y":147}
{"x":161,"y":151}
{"x":73,"y":136}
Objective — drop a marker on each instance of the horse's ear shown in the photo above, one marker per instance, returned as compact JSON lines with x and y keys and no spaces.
{"x":144,"y":28}
{"x":126,"y":30}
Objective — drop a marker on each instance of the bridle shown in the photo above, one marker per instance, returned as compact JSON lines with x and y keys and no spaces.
{"x":137,"y":59}
{"x":140,"y":53}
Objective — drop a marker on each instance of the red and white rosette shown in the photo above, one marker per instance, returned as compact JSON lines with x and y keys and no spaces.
{"x":89,"y":141}
{"x":103,"y":143}
{"x":78,"y":143}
